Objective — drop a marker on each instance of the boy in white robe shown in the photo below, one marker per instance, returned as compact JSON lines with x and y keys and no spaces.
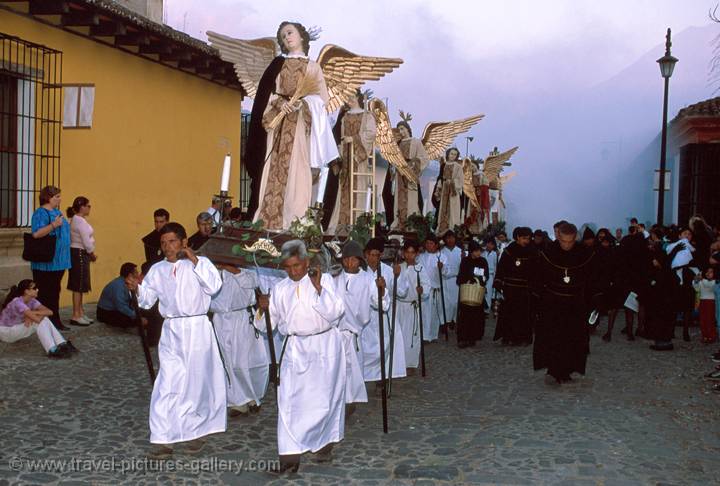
{"x":452,"y":255}
{"x":408,"y":315}
{"x":492,"y":256}
{"x":311,"y":395}
{"x":243,"y":347}
{"x":189,"y":396}
{"x":433,"y":263}
{"x":370,"y":338}
{"x":355,"y":287}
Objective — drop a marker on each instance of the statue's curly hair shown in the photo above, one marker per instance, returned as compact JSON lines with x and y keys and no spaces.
{"x":304,"y":35}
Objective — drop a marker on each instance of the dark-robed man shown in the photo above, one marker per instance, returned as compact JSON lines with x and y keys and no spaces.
{"x":515,"y":317}
{"x":151,"y":241}
{"x":562,"y":280}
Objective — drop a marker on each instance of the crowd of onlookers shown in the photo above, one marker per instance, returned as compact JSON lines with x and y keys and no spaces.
{"x":33,"y":305}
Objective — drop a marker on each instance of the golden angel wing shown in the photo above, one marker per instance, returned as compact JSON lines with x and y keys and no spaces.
{"x":468,"y":186}
{"x":385,"y":140}
{"x":345,"y":72}
{"x":250,"y":57}
{"x":507,"y":178}
{"x":493,"y":164}
{"x":438,"y":136}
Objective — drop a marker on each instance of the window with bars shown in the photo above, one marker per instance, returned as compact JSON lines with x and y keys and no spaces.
{"x":244,"y":200}
{"x":30,"y":126}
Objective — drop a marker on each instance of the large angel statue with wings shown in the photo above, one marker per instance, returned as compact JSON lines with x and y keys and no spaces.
{"x":290,"y":141}
{"x":412,"y":155}
{"x":482,"y":187}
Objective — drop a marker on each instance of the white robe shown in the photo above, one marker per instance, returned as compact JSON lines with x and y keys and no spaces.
{"x":267,"y":279}
{"x":408,"y":317}
{"x":356,"y":292}
{"x":244,"y":350}
{"x":433,"y":312}
{"x":492,"y":258}
{"x":452,"y":264}
{"x":189,"y":395}
{"x":370,"y":338}
{"x":311,"y":396}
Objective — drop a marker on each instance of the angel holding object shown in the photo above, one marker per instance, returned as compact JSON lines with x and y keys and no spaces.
{"x":450,"y":189}
{"x":483,"y":186}
{"x":357,"y":135}
{"x":410,"y":156}
{"x":290,"y":140}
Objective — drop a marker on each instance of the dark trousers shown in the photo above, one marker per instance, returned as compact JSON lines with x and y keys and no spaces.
{"x":155,"y":323}
{"x":118,"y":319}
{"x":48,"y":284}
{"x":114,"y":318}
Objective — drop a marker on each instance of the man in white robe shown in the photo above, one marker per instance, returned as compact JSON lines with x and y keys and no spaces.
{"x":311,"y":396}
{"x":189,"y":395}
{"x":452,"y":255}
{"x":357,"y":290}
{"x":370,"y":339}
{"x":243,"y":347}
{"x":408,"y":312}
{"x":433,"y":263}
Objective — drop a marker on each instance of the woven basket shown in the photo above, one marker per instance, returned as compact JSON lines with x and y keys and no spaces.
{"x":472,"y":294}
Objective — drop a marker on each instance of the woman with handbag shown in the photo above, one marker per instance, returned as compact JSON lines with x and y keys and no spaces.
{"x":472,"y":279}
{"x":48,"y":222}
{"x":82,"y":252}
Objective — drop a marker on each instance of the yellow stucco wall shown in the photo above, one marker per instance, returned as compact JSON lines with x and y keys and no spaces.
{"x":156,"y":141}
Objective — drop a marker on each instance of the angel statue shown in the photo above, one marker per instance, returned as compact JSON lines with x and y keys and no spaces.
{"x":357,"y":135}
{"x":450,"y":190}
{"x":482,"y":187}
{"x":290,"y":141}
{"x":413,"y":155}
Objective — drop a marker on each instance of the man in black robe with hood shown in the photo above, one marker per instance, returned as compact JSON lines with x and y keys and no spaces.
{"x":563,"y":281}
{"x":512,"y":278}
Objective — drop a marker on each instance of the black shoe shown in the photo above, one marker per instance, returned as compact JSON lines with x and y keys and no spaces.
{"x":78,"y":323}
{"x":59,"y":353}
{"x":686,"y":336}
{"x":61,"y":327}
{"x":286,"y":468}
{"x":70,"y":347}
{"x":607,"y":337}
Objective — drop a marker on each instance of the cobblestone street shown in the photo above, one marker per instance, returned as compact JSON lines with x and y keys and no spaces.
{"x":482,"y":416}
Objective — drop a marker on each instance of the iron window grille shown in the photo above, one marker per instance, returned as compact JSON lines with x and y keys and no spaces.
{"x":30,"y":126}
{"x":244,"y":199}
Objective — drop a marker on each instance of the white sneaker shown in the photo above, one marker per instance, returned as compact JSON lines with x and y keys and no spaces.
{"x":84,"y":320}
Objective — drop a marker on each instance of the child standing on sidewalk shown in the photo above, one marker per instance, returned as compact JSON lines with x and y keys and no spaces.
{"x":706,"y":286}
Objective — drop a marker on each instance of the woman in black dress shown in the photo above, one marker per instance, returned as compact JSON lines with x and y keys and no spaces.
{"x":471,"y":319}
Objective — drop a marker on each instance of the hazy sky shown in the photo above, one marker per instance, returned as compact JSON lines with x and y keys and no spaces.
{"x":527,"y":65}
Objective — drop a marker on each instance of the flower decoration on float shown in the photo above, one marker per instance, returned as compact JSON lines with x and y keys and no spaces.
{"x":308,"y":229}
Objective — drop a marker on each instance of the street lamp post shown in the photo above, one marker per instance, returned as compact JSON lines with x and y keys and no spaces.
{"x":667,"y":64}
{"x":467,"y":145}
